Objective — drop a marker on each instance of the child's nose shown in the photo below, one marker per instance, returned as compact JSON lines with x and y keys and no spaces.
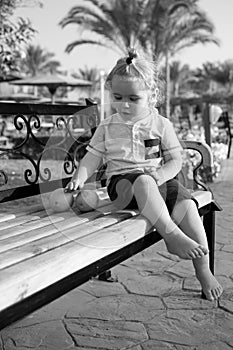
{"x":126,"y":103}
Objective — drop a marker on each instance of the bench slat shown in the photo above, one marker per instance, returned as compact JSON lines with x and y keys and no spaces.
{"x":57,"y":238}
{"x":6,"y":216}
{"x":25,"y":278}
{"x":53,"y":224}
{"x":18,"y":221}
{"x":31,"y":226}
{"x":14,"y":241}
{"x":28,"y":226}
{"x":21,"y":211}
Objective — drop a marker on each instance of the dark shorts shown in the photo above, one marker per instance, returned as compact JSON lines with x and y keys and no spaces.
{"x":172,"y":191}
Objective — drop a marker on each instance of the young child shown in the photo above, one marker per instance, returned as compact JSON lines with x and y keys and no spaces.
{"x":143,"y":155}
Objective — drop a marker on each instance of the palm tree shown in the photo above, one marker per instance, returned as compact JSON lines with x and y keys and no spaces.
{"x":90,"y":74}
{"x":159,"y":27}
{"x":220,"y":73}
{"x":181,"y":24}
{"x":38,"y":60}
{"x":179,"y":75}
{"x":116,"y":23}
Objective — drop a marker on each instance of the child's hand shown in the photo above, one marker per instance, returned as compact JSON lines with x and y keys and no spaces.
{"x":156,"y":173}
{"x":153,"y":172}
{"x":73,"y":185}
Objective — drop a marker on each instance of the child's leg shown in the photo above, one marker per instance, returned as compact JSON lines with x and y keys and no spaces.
{"x":185,"y":214}
{"x":152,"y":206}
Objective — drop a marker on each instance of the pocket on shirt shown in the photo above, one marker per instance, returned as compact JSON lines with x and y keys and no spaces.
{"x":152,"y":148}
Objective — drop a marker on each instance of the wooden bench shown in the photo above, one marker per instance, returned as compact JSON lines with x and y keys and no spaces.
{"x":44,"y":254}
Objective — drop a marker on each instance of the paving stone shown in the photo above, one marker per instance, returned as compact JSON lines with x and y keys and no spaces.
{"x":48,"y":335}
{"x":227,"y":283}
{"x":226,"y":301}
{"x":225,"y":236}
{"x":159,"y":345}
{"x":228,"y":248}
{"x":165,"y":254}
{"x":183,"y":268}
{"x":214,"y":346}
{"x":193,"y":327}
{"x":128,"y":307}
{"x":102,"y":288}
{"x":224,"y":256}
{"x":223,"y":267}
{"x":137,"y":347}
{"x":147,"y":265}
{"x":75,"y":300}
{"x":106,"y":334}
{"x":191,"y":284}
{"x":154,"y":284}
{"x":188,"y":301}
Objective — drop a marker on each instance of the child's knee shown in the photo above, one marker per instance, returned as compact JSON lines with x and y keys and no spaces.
{"x":145,"y":182}
{"x":183,"y":208}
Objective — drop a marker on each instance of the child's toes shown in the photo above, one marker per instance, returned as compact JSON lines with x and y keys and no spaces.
{"x":219,"y":291}
{"x":200,"y":252}
{"x":197,"y":253}
{"x":191,"y":255}
{"x":209,"y":295}
{"x":203,"y":249}
{"x":215,"y":294}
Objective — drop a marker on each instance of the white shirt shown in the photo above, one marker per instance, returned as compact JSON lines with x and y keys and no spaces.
{"x":131,"y":146}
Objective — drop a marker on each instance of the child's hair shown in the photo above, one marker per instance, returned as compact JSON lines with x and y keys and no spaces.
{"x":136,"y":67}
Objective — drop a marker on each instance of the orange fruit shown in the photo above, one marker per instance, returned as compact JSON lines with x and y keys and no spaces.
{"x":87,"y":200}
{"x":60,"y":200}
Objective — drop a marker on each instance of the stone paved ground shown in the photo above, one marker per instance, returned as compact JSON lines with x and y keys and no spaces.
{"x":155,"y":305}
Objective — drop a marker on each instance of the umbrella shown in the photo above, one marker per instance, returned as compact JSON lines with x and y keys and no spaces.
{"x":18,"y":97}
{"x":9,"y":77}
{"x":52,"y":82}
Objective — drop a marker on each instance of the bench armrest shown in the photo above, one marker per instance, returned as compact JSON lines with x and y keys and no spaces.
{"x":206,"y":160}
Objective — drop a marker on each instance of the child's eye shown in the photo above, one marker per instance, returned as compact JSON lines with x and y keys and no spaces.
{"x":118,"y":98}
{"x":134,"y":99}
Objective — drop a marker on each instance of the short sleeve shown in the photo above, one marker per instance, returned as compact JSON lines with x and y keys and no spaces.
{"x":97,"y":144}
{"x":170,"y":142}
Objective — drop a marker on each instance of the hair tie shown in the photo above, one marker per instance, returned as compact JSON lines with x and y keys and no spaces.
{"x":129,"y":60}
{"x":131,"y":54}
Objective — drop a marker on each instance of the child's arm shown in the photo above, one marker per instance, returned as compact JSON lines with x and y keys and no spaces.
{"x":171,"y":167}
{"x":172,"y":155}
{"x":87,"y":166}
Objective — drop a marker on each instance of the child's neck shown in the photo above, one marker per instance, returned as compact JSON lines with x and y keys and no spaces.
{"x":135,"y":119}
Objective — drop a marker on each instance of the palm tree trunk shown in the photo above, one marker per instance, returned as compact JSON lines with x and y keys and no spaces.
{"x":167,"y":97}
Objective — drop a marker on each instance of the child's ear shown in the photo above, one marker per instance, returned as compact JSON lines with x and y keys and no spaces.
{"x":156,"y":93}
{"x":153,"y":98}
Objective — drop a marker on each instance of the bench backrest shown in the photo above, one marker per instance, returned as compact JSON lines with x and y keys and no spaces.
{"x":29,"y":121}
{"x":64,"y":142}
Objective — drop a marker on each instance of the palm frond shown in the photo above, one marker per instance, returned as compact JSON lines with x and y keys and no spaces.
{"x":79,"y":42}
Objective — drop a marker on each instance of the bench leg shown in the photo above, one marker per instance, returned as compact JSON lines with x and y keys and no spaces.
{"x":209,"y":224}
{"x":107,"y":277}
{"x":229,"y":148}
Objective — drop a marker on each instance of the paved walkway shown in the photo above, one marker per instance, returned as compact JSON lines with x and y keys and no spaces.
{"x":155,"y":305}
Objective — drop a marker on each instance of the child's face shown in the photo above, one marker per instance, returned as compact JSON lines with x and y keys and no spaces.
{"x":130,"y":97}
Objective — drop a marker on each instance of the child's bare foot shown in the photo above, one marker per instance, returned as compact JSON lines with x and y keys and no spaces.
{"x":210,"y":286}
{"x":183,"y":246}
